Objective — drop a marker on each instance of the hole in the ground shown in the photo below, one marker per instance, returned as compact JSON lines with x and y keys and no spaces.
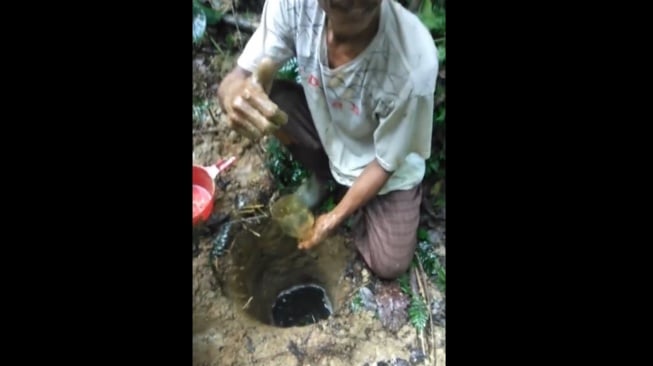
{"x":301,"y":305}
{"x":275,"y":283}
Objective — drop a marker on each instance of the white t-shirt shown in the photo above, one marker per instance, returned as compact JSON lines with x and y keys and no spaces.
{"x":377,"y":106}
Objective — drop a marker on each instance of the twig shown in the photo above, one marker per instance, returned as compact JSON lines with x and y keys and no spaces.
{"x":428,"y":305}
{"x":212,"y":116}
{"x":247,"y":303}
{"x":208,"y":130}
{"x":248,"y":219}
{"x":216,"y":45}
{"x":251,"y":207}
{"x":231,"y":245}
{"x":252,"y":231}
{"x":231,"y":19}
{"x":415,"y":286}
{"x":234,"y":20}
{"x":208,"y":51}
{"x":310,"y":333}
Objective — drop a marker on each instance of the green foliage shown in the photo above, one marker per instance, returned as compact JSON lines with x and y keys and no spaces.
{"x":428,"y":257}
{"x":433,"y":16}
{"x":328,"y":205}
{"x":442,"y":54}
{"x":289,"y":71}
{"x":439,"y":116}
{"x":357,"y":303}
{"x":404,"y":284}
{"x":430,"y":260}
{"x":200,"y":110}
{"x":441,"y":279}
{"x":422,"y":234}
{"x":418,"y":312}
{"x":286,"y":171}
{"x":203,"y":16}
{"x":435,"y":163}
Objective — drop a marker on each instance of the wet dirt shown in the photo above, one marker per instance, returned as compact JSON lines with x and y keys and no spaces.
{"x":236,"y":277}
{"x":264,"y":262}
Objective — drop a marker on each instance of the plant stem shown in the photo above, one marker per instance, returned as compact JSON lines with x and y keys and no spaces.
{"x":420,"y":280}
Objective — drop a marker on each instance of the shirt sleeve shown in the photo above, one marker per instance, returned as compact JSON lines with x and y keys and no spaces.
{"x":274,"y":37}
{"x":406,"y":129}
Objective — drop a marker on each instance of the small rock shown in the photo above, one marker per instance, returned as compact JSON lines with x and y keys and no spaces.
{"x":366,"y":274}
{"x":438,"y":312}
{"x":417,"y":356}
{"x":249,"y":345}
{"x":434,"y":237}
{"x":440,"y":250}
{"x":241,"y":201}
{"x":401,"y":362}
{"x":392,"y":305}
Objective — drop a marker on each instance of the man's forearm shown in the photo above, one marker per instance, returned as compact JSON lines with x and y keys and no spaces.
{"x":368,"y":184}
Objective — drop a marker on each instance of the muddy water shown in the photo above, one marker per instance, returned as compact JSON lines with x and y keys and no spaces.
{"x":264,"y":263}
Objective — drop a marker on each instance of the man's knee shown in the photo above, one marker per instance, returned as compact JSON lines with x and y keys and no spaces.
{"x":390,"y":256}
{"x":389,"y":235}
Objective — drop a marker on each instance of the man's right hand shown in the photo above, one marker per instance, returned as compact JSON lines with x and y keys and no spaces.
{"x":245,"y":100}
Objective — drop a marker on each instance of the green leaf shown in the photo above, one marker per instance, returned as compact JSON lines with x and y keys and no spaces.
{"x":442,"y":278}
{"x":213,"y":16}
{"x":442,"y":54}
{"x":432,"y":165}
{"x":328,"y":205}
{"x":434,"y":20}
{"x":418,"y":312}
{"x":439,"y":116}
{"x":357,"y":303}
{"x":404,"y":284}
{"x":440,"y":201}
{"x":422,"y":234}
{"x":290,"y":71}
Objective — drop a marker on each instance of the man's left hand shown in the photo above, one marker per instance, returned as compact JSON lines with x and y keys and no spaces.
{"x":323,"y":226}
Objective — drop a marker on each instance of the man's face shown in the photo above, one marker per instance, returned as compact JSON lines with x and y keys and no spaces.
{"x":350,"y":17}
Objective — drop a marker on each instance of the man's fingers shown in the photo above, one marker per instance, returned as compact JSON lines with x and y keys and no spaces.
{"x":253,"y":115}
{"x":307,"y":242}
{"x":240,"y":125}
{"x":280,"y":118}
{"x":267,"y":108}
